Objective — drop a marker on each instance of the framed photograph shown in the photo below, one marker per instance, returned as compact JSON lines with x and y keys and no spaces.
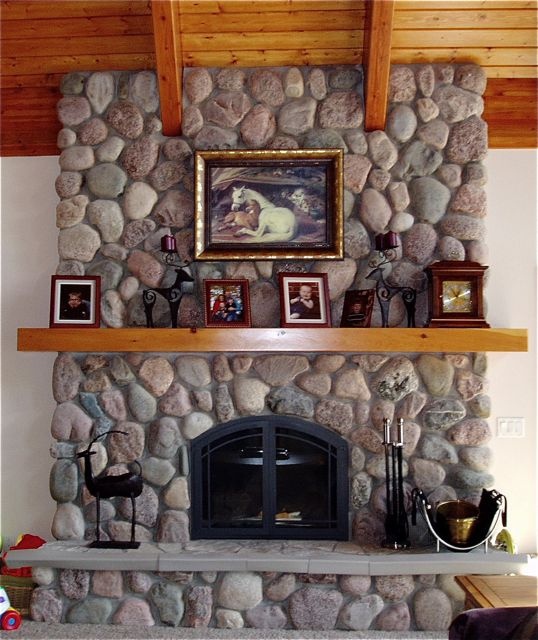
{"x":268,"y":205}
{"x":75,"y":301}
{"x":358,"y":305}
{"x":304,"y":300}
{"x":227,"y":303}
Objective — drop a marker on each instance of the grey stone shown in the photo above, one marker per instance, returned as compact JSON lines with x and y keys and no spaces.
{"x":79,"y":242}
{"x":281,"y":587}
{"x":471,"y":77}
{"x":135,"y":612}
{"x":440,"y":415}
{"x":139,"y":200}
{"x":437,"y":374}
{"x":194,"y":370}
{"x":427,"y":474}
{"x":91,"y":611}
{"x":468,"y":141}
{"x":266,"y":86}
{"x":195,"y":424}
{"x":250,"y":395}
{"x":175,"y":209}
{"x":210,"y":137}
{"x":69,"y":422}
{"x":146,"y":506}
{"x":110,"y":150}
{"x":471,"y":432}
{"x":356,"y":169}
{"x":240,"y":591}
{"x":355,"y":585}
{"x":420,"y":242}
{"x":425,"y":76}
{"x":480,"y":406}
{"x":106,"y":180}
{"x":476,"y":458}
{"x":73,"y":83}
{"x":68,"y":184}
{"x":65,"y":138}
{"x":396,"y":379}
{"x":375,"y":211}
{"x":383,"y":153}
{"x":288,"y":401}
{"x":126,"y":448}
{"x":231,"y":79}
{"x":126,"y":118}
{"x":451,"y":249}
{"x":341,"y":110}
{"x":402,"y":85}
{"x":324,"y":139}
{"x":173,"y":527}
{"x":46,"y":605}
{"x":176,"y":495}
{"x":314,"y":608}
{"x":434,"y":447}
{"x":227,"y":108}
{"x":139,"y":582}
{"x":297,"y":117}
{"x":463,"y":227}
{"x":361,"y":490}
{"x":221,"y":368}
{"x":141,"y":403}
{"x":401,"y":123}
{"x":434,"y":133}
{"x":144,"y":91}
{"x":139,"y":158}
{"x":356,"y":240}
{"x":168,"y":599}
{"x":224,"y":406}
{"x":76,"y":158}
{"x":338,"y":416}
{"x":427,"y":109}
{"x":359,"y":613}
{"x":379,"y":179}
{"x":68,"y":522}
{"x":280,"y":370}
{"x":432,"y":609}
{"x":120,"y":370}
{"x":198,"y":606}
{"x":66,"y":378}
{"x":429,"y":199}
{"x":107,"y":216}
{"x":164,"y":437}
{"x":317,"y":84}
{"x":258,"y":127}
{"x":100,"y":90}
{"x":266,"y":617}
{"x":73,"y":110}
{"x":228,"y":619}
{"x":418,"y":160}
{"x":351,"y":384}
{"x":146,"y":268}
{"x":137,"y":231}
{"x":457,"y":104}
{"x":63,"y":481}
{"x":395,"y":617}
{"x":367,"y":529}
{"x":470,"y":199}
{"x":198,"y":85}
{"x":166,"y":175}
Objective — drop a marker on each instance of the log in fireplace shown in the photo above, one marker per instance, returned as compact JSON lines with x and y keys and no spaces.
{"x":270,"y":477}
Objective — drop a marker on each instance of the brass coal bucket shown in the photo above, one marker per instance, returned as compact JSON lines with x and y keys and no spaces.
{"x":457,"y":518}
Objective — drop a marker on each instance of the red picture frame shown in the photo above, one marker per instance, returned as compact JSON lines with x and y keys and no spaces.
{"x":75,"y":301}
{"x":227,"y":303}
{"x":304,"y":300}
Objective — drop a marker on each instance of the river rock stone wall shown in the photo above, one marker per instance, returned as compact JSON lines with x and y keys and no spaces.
{"x":122,"y":185}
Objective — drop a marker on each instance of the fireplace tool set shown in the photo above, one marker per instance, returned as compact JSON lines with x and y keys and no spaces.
{"x":396,"y":525}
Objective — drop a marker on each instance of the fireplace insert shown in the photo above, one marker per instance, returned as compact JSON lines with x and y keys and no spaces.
{"x":269,"y":477}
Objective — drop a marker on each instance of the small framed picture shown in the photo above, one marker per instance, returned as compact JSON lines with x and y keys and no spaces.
{"x":304,"y":300}
{"x":75,"y":301}
{"x":227,"y":303}
{"x":358,"y":305}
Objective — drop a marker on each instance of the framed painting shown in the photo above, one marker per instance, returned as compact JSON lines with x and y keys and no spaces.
{"x":358,"y":306}
{"x":266,"y":205}
{"x":227,"y":303}
{"x":75,"y":301}
{"x":304,"y":300}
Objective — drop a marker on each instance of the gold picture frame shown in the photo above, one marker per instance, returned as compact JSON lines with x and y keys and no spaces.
{"x":269,"y":204}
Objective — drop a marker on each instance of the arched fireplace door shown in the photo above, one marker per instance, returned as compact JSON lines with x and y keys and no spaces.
{"x":269,"y":477}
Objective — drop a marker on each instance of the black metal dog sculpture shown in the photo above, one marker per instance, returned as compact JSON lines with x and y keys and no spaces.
{"x":385,"y":292}
{"x":127,"y":485}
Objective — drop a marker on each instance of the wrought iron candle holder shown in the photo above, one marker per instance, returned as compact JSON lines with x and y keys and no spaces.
{"x":386,"y":245}
{"x":172,"y":294}
{"x":396,"y":524}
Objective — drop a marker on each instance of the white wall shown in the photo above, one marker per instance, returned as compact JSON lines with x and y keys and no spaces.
{"x":29,"y":257}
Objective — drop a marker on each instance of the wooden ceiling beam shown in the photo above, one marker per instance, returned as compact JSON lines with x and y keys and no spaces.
{"x":376,"y":61}
{"x":169,"y":59}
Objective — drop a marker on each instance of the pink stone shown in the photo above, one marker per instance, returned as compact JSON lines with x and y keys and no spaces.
{"x":146,"y":268}
{"x":134,"y":611}
{"x":108,"y":584}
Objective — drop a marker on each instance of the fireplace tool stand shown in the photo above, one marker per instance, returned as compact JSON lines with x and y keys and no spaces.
{"x":396,"y":524}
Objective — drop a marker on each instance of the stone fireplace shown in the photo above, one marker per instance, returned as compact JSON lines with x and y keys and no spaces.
{"x":122,"y":186}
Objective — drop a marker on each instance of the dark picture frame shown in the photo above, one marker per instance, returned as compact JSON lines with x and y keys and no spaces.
{"x":358,"y":307}
{"x":227,"y":303}
{"x":310,"y":310}
{"x":269,"y":204}
{"x":75,"y":301}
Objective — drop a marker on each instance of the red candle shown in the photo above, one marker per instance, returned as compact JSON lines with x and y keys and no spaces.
{"x":390,"y":240}
{"x":168,"y":243}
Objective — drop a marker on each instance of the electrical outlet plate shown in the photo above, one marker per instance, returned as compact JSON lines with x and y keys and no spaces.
{"x":511,"y":427}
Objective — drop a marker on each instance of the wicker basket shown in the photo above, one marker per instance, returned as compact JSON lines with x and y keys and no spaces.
{"x":19,"y":591}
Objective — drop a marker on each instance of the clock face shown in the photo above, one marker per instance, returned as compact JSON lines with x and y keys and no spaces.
{"x":456,"y":296}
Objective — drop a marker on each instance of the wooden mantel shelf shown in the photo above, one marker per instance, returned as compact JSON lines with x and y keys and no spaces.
{"x":372,"y":340}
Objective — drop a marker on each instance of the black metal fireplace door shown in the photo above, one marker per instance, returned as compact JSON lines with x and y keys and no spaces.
{"x":269,"y":477}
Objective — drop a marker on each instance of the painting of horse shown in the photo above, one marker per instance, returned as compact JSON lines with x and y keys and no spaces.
{"x":275,"y":224}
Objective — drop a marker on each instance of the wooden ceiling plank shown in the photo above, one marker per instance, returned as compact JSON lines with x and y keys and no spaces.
{"x":272,"y":58}
{"x":485,"y":19}
{"x":168,"y":55}
{"x":377,"y":62}
{"x":36,"y":9}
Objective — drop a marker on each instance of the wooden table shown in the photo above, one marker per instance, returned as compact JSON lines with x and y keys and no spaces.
{"x":499,"y":591}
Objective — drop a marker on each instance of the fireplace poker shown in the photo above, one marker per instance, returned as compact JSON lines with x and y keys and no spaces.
{"x":389,"y":521}
{"x":402,"y":537}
